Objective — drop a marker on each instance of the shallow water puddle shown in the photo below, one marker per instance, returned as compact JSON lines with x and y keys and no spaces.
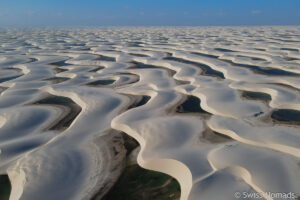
{"x":60,"y":63}
{"x":286,"y":116}
{"x":138,"y":65}
{"x":96,"y":69}
{"x":56,"y":80}
{"x":139,"y":101}
{"x":9,"y":78}
{"x":224,"y":50}
{"x":101,"y":82}
{"x":206,"y":69}
{"x":106,"y":58}
{"x":68,"y":117}
{"x":191,"y":105}
{"x":5,"y":187}
{"x":256,"y":96}
{"x":264,"y":71}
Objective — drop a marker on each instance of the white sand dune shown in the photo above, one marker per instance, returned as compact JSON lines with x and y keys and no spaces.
{"x":222,"y":115}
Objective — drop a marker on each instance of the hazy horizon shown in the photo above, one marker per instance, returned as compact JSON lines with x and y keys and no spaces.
{"x":33,"y":13}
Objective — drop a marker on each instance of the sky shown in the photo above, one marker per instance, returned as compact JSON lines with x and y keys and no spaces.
{"x":48,"y":13}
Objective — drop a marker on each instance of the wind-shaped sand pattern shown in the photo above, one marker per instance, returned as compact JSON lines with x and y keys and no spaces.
{"x":149,"y":113}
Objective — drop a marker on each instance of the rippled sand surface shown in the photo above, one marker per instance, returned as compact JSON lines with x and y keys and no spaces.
{"x":218,"y":109}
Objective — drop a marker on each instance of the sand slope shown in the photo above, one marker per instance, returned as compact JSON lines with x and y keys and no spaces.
{"x":216,"y":108}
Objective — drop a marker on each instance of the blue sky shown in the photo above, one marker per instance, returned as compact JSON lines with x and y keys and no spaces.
{"x":148,"y":12}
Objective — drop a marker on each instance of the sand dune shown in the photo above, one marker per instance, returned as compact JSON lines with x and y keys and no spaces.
{"x":218,"y":109}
